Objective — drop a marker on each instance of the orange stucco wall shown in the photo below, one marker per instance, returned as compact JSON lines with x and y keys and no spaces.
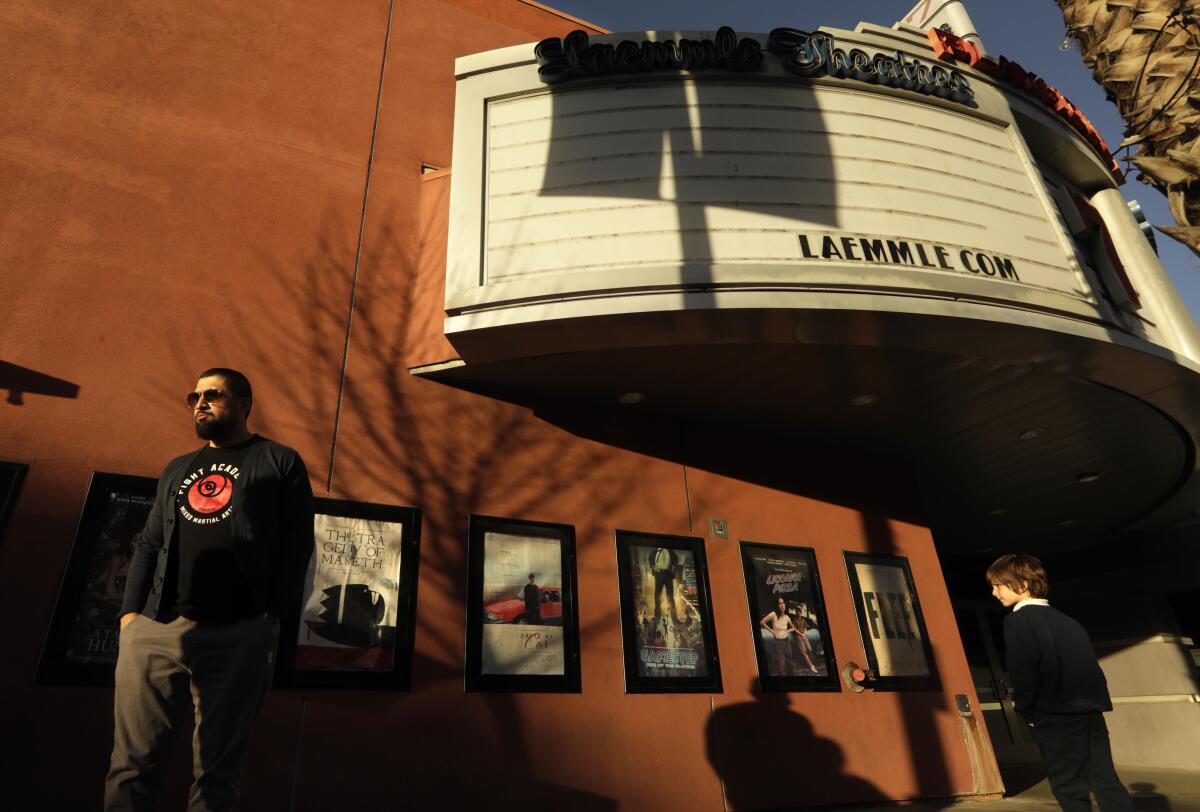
{"x":184,"y":186}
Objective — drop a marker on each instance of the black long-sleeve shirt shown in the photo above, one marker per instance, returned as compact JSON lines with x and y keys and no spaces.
{"x":1052,"y":664}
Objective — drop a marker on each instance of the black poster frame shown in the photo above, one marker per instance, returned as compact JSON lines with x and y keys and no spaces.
{"x":54,"y":667}
{"x":399,"y":676}
{"x":474,"y":679}
{"x":930,"y":681}
{"x":635,"y":683}
{"x":12,"y":476}
{"x":830,"y":680}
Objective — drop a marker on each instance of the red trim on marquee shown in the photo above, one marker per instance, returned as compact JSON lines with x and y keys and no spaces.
{"x":951,"y":48}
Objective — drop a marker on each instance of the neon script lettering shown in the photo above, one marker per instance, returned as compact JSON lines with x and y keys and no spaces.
{"x":574,"y":56}
{"x":802,"y":53}
{"x":813,"y":54}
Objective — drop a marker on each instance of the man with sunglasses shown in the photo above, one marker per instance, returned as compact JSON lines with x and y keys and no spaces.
{"x":221,"y":558}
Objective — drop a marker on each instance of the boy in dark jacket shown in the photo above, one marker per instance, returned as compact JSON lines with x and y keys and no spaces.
{"x":1058,"y":688}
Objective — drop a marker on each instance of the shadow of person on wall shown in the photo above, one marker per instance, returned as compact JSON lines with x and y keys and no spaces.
{"x":1145,"y":799}
{"x":769,"y":757}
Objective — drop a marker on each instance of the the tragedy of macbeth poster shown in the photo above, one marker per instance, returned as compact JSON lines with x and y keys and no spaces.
{"x":354,"y":624}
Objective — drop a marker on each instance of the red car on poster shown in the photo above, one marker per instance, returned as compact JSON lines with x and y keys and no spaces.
{"x":512,"y":610}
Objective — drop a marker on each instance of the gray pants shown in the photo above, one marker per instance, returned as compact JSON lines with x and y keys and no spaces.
{"x":223,"y":669}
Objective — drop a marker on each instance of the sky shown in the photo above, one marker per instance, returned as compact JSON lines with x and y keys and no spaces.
{"x":1025,"y":31}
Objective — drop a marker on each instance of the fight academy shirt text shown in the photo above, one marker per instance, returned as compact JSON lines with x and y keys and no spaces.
{"x":209,"y":584}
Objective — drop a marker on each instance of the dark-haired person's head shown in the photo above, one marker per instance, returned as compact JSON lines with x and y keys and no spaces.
{"x":1021,"y":573}
{"x":236,"y":382}
{"x":220,"y":404}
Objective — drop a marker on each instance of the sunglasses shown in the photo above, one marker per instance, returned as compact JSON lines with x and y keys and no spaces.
{"x":209,"y":396}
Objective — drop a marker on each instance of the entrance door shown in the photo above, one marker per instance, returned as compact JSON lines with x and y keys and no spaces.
{"x":981,"y":627}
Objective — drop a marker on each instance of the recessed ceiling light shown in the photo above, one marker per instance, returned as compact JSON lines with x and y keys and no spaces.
{"x":1030,"y":434}
{"x":997,"y":512}
{"x":865,"y":399}
{"x":1088,"y":476}
{"x":630,"y":398}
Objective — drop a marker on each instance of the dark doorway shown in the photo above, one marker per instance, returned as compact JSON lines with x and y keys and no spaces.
{"x":980,"y":625}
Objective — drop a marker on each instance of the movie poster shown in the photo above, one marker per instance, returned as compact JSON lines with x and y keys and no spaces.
{"x":350,"y":608}
{"x":92,"y":635}
{"x":787,"y":611}
{"x":667,"y":617}
{"x":522,"y":605}
{"x":889,"y":619}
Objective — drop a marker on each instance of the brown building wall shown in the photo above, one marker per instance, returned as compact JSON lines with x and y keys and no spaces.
{"x":184,"y":186}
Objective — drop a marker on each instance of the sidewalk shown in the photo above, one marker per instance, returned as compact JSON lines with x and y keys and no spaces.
{"x":1152,"y":790}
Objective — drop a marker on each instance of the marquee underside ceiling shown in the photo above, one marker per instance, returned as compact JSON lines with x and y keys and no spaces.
{"x":1005,"y":454}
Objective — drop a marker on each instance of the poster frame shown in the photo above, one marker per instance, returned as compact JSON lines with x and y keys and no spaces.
{"x":399,"y":677}
{"x":53,"y":668}
{"x":831,"y":680}
{"x":474,"y":680}
{"x":12,"y":477}
{"x":891,"y":682}
{"x":635,"y":684}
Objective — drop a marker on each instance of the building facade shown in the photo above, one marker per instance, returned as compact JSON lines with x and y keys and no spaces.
{"x":843,"y":291}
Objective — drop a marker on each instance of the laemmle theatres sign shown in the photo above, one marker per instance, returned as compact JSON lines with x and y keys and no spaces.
{"x":885,"y":251}
{"x":801,"y":52}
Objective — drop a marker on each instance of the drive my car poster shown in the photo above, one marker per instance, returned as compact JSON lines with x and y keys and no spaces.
{"x":522,"y":601}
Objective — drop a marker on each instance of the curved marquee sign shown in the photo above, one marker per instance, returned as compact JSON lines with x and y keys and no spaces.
{"x":757,"y":183}
{"x":802,"y":53}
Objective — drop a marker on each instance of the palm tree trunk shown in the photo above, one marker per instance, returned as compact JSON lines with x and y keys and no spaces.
{"x":1146,"y":54}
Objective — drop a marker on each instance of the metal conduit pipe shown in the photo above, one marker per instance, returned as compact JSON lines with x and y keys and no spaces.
{"x":1161,"y":300}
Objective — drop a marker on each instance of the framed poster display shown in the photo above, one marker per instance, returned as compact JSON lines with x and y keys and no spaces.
{"x":788,"y":619}
{"x":355,"y":623}
{"x":666,"y":614}
{"x":890,"y":621}
{"x":12,"y":474}
{"x":522,"y":607}
{"x":81,"y":646}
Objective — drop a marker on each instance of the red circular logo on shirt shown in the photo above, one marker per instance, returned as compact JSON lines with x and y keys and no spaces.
{"x":211,"y":493}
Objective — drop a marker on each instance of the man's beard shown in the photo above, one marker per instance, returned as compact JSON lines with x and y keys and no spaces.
{"x":212,"y":429}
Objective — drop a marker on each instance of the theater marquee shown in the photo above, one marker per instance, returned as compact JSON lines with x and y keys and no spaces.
{"x":602,"y":175}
